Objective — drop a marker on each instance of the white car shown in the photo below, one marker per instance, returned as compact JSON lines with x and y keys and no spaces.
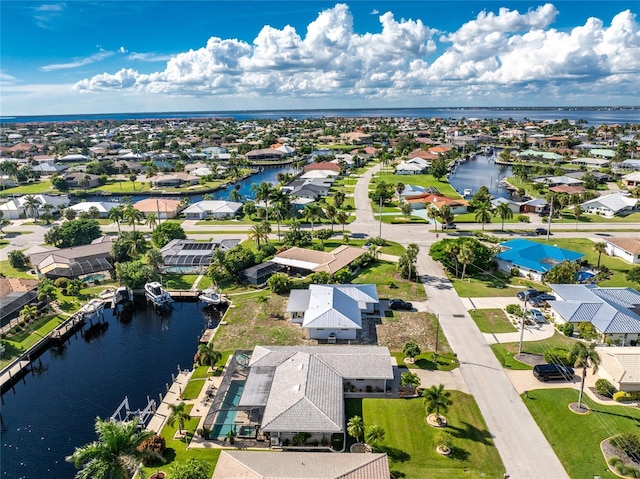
{"x":536,"y":315}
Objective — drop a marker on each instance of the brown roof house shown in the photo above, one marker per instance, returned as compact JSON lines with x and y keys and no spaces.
{"x":162,"y":208}
{"x":305,"y":261}
{"x":76,"y":262}
{"x":626,"y":248}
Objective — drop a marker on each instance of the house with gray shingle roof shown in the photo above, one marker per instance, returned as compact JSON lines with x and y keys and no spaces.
{"x":298,"y":389}
{"x":614,"y":312}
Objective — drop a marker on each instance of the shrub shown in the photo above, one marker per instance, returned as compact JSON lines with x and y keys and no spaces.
{"x":155,"y":444}
{"x":191,"y":469}
{"x":587,"y":330}
{"x":514,"y":309}
{"x":558,"y":356}
{"x":605,"y":388}
{"x":515,"y":272}
{"x":626,"y":396}
{"x":300,"y":439}
{"x":566,"y":329}
{"x":392,"y":285}
{"x":615,"y":462}
{"x":17,"y":259}
{"x":629,"y":443}
{"x":62,"y":283}
{"x":443,"y":439}
{"x":523,"y":219}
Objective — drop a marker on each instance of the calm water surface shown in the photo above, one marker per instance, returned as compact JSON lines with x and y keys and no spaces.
{"x":54,"y":411}
{"x":482,"y":171}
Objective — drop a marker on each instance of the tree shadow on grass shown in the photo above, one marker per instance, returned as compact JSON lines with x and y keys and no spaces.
{"x":394,"y":453}
{"x":423,"y":363}
{"x":169,"y":455}
{"x":469,"y":431}
{"x":459,"y":454}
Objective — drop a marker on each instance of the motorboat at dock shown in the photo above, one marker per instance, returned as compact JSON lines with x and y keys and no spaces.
{"x":211,"y":296}
{"x":155,"y":293}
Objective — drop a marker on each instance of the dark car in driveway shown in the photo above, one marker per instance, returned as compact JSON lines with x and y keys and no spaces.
{"x":400,"y":304}
{"x":545,"y":372}
{"x":527,"y":294}
{"x":541,"y":300}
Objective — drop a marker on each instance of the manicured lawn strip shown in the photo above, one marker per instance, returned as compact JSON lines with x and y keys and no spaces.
{"x":471,"y":218}
{"x":505,"y":351}
{"x":22,"y":341}
{"x":201,"y":372}
{"x":446,"y":361}
{"x":409,"y":440}
{"x":383,"y":273}
{"x":11,"y":272}
{"x":31,"y":188}
{"x":419,"y":180}
{"x":495,"y":286}
{"x":492,"y":320}
{"x":178,"y":281}
{"x":205,"y":282}
{"x":576,"y":438}
{"x":246,"y":220}
{"x":585,"y":246}
{"x":193,"y":388}
{"x":567,"y":217}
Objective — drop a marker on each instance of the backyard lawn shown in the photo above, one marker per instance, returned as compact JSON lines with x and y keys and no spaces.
{"x":581,"y":457}
{"x":408,"y":440}
{"x":178,"y":281}
{"x":418,"y":180}
{"x":18,"y":343}
{"x":11,"y":272}
{"x":31,"y":189}
{"x":425,"y":360}
{"x":389,"y":283}
{"x":505,"y":351}
{"x":492,"y":321}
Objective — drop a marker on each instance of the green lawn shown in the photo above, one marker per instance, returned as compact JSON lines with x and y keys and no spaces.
{"x":445,"y":361}
{"x":419,"y":180}
{"x":178,"y":281}
{"x":566,"y":216}
{"x":576,"y":438}
{"x":194,"y":386}
{"x":492,"y":321}
{"x":31,"y":189}
{"x":409,"y":440}
{"x":20,"y":342}
{"x":384,"y":273}
{"x":585,"y":246}
{"x":11,"y":272}
{"x":491,"y":286}
{"x":505,"y":351}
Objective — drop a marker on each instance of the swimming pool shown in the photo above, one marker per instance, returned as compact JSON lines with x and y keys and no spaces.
{"x":226,"y":418}
{"x":92,"y":278}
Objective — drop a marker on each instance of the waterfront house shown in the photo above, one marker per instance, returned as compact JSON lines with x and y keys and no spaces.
{"x":218,"y":209}
{"x":298,"y":389}
{"x":187,"y":256}
{"x":323,"y":165}
{"x":76,"y":262}
{"x":103,"y":207}
{"x":174,"y":180}
{"x":430,"y":200}
{"x":332,"y":311}
{"x":265,"y":154}
{"x":14,"y":208}
{"x":627,"y":249}
{"x":319,"y":465}
{"x":260,"y":273}
{"x":609,"y":206}
{"x":414,"y":166}
{"x":81,"y":180}
{"x":558,"y":180}
{"x":162,"y":208}
{"x":614,"y":312}
{"x":591,"y":162}
{"x":513,"y":206}
{"x":532,"y":260}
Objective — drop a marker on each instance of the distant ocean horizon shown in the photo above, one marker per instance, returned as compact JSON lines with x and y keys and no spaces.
{"x":592,"y":115}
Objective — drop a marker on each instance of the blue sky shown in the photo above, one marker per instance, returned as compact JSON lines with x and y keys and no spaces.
{"x":124,"y":56}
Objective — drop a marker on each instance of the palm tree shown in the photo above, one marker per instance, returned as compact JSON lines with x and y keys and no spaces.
{"x":311,"y":212}
{"x":46,"y":291}
{"x":483,"y":213}
{"x":132,"y":216}
{"x":207,"y":355}
{"x":355,"y":427}
{"x":114,"y":455}
{"x":585,"y":355}
{"x":452,"y":250}
{"x":446,"y":215}
{"x":406,"y":210}
{"x":234,"y":195}
{"x":599,"y":248}
{"x":375,"y":434}
{"x":432,"y":214}
{"x":47,"y":208}
{"x":53,"y":236}
{"x":136,"y":244}
{"x":154,"y":258}
{"x":263,"y":192}
{"x":29,"y":312}
{"x":281,"y":203}
{"x":152,"y":220}
{"x":132,"y":178}
{"x":260,"y":232}
{"x":342,"y":216}
{"x":178,"y":413}
{"x":466,"y":256}
{"x":437,"y":399}
{"x":116,"y":215}
{"x":330,"y":212}
{"x":31,"y":205}
{"x":504,"y":212}
{"x":577,"y":213}
{"x":399,"y":189}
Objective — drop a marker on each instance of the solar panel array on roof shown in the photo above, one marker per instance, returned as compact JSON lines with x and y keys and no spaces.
{"x":198,"y":246}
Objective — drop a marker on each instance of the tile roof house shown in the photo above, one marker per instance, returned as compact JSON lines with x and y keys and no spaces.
{"x":300,"y":465}
{"x":162,"y":208}
{"x":301,"y":389}
{"x":531,"y":258}
{"x":614,"y":312}
{"x":75,"y":262}
{"x":323,"y":165}
{"x":626,"y":248}
{"x":332,"y":311}
{"x":610,"y":205}
{"x":312,"y":261}
{"x":217,"y":209}
{"x":620,"y":366}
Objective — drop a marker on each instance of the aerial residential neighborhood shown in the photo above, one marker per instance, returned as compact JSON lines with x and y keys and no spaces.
{"x":363,"y":297}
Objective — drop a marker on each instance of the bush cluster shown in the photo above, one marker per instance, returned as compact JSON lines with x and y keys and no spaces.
{"x":626,"y":396}
{"x":566,"y":329}
{"x":605,"y":388}
{"x":514,"y":309}
{"x":558,"y":356}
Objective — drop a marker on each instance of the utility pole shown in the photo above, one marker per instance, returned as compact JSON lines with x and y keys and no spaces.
{"x":437,"y":330}
{"x":550,"y":216}
{"x":524,"y":313}
{"x":380,"y":233}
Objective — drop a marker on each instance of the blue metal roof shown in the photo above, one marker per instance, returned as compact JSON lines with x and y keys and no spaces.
{"x":535,"y":256}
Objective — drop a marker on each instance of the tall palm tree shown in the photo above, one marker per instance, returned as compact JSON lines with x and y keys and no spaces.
{"x":483,"y":213}
{"x":436,"y":399}
{"x":208,"y":355}
{"x":599,"y":248}
{"x":452,"y":250}
{"x":466,"y":256}
{"x":330,"y":212}
{"x":342,"y":216}
{"x":504,"y":212}
{"x":585,"y":355}
{"x":29,"y":312}
{"x":263,"y":192}
{"x":152,"y":220}
{"x":446,"y":215}
{"x":234,"y":195}
{"x":116,"y":215}
{"x":136,"y":244}
{"x":178,"y":413}
{"x":281,"y":205}
{"x":355,"y":427}
{"x":47,"y":208}
{"x":31,"y":205}
{"x":132,"y":216}
{"x":311,"y":212}
{"x":432,"y":214}
{"x":114,"y":455}
{"x":154,"y":258}
{"x":577,"y":213}
{"x":259,"y":232}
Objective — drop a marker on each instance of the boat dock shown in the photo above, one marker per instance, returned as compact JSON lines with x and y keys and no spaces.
{"x":69,"y":326}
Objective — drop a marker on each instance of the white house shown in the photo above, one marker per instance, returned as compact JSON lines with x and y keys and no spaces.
{"x":610,"y":205}
{"x":614,"y":312}
{"x":217,"y":209}
{"x":15,"y":207}
{"x":414,"y":166}
{"x":332,"y":311}
{"x":103,"y":207}
{"x":627,"y":249}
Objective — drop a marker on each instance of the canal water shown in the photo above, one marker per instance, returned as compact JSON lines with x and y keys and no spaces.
{"x":266,"y":174}
{"x":54,"y":410}
{"x":482,"y":171}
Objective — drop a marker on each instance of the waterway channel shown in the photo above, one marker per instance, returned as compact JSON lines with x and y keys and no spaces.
{"x":481,"y":171}
{"x":45,"y":417}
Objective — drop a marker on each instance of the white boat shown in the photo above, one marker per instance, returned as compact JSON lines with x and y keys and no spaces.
{"x":466,"y":192}
{"x":155,"y":293}
{"x":122,"y":295}
{"x":210,"y":296}
{"x":92,"y":309}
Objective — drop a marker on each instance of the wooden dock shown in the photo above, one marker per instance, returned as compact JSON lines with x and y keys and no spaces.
{"x":207,"y":336}
{"x":68,"y":327}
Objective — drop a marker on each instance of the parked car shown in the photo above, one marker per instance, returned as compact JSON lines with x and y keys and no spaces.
{"x":528,"y":294}
{"x":540,"y":231}
{"x":400,"y":304}
{"x":536,"y":315}
{"x":541,"y":300}
{"x":552,"y":371}
{"x":449,"y":226}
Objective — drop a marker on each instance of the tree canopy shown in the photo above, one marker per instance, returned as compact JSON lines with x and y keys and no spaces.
{"x":447,"y":250}
{"x":166,"y":232}
{"x":78,"y":232}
